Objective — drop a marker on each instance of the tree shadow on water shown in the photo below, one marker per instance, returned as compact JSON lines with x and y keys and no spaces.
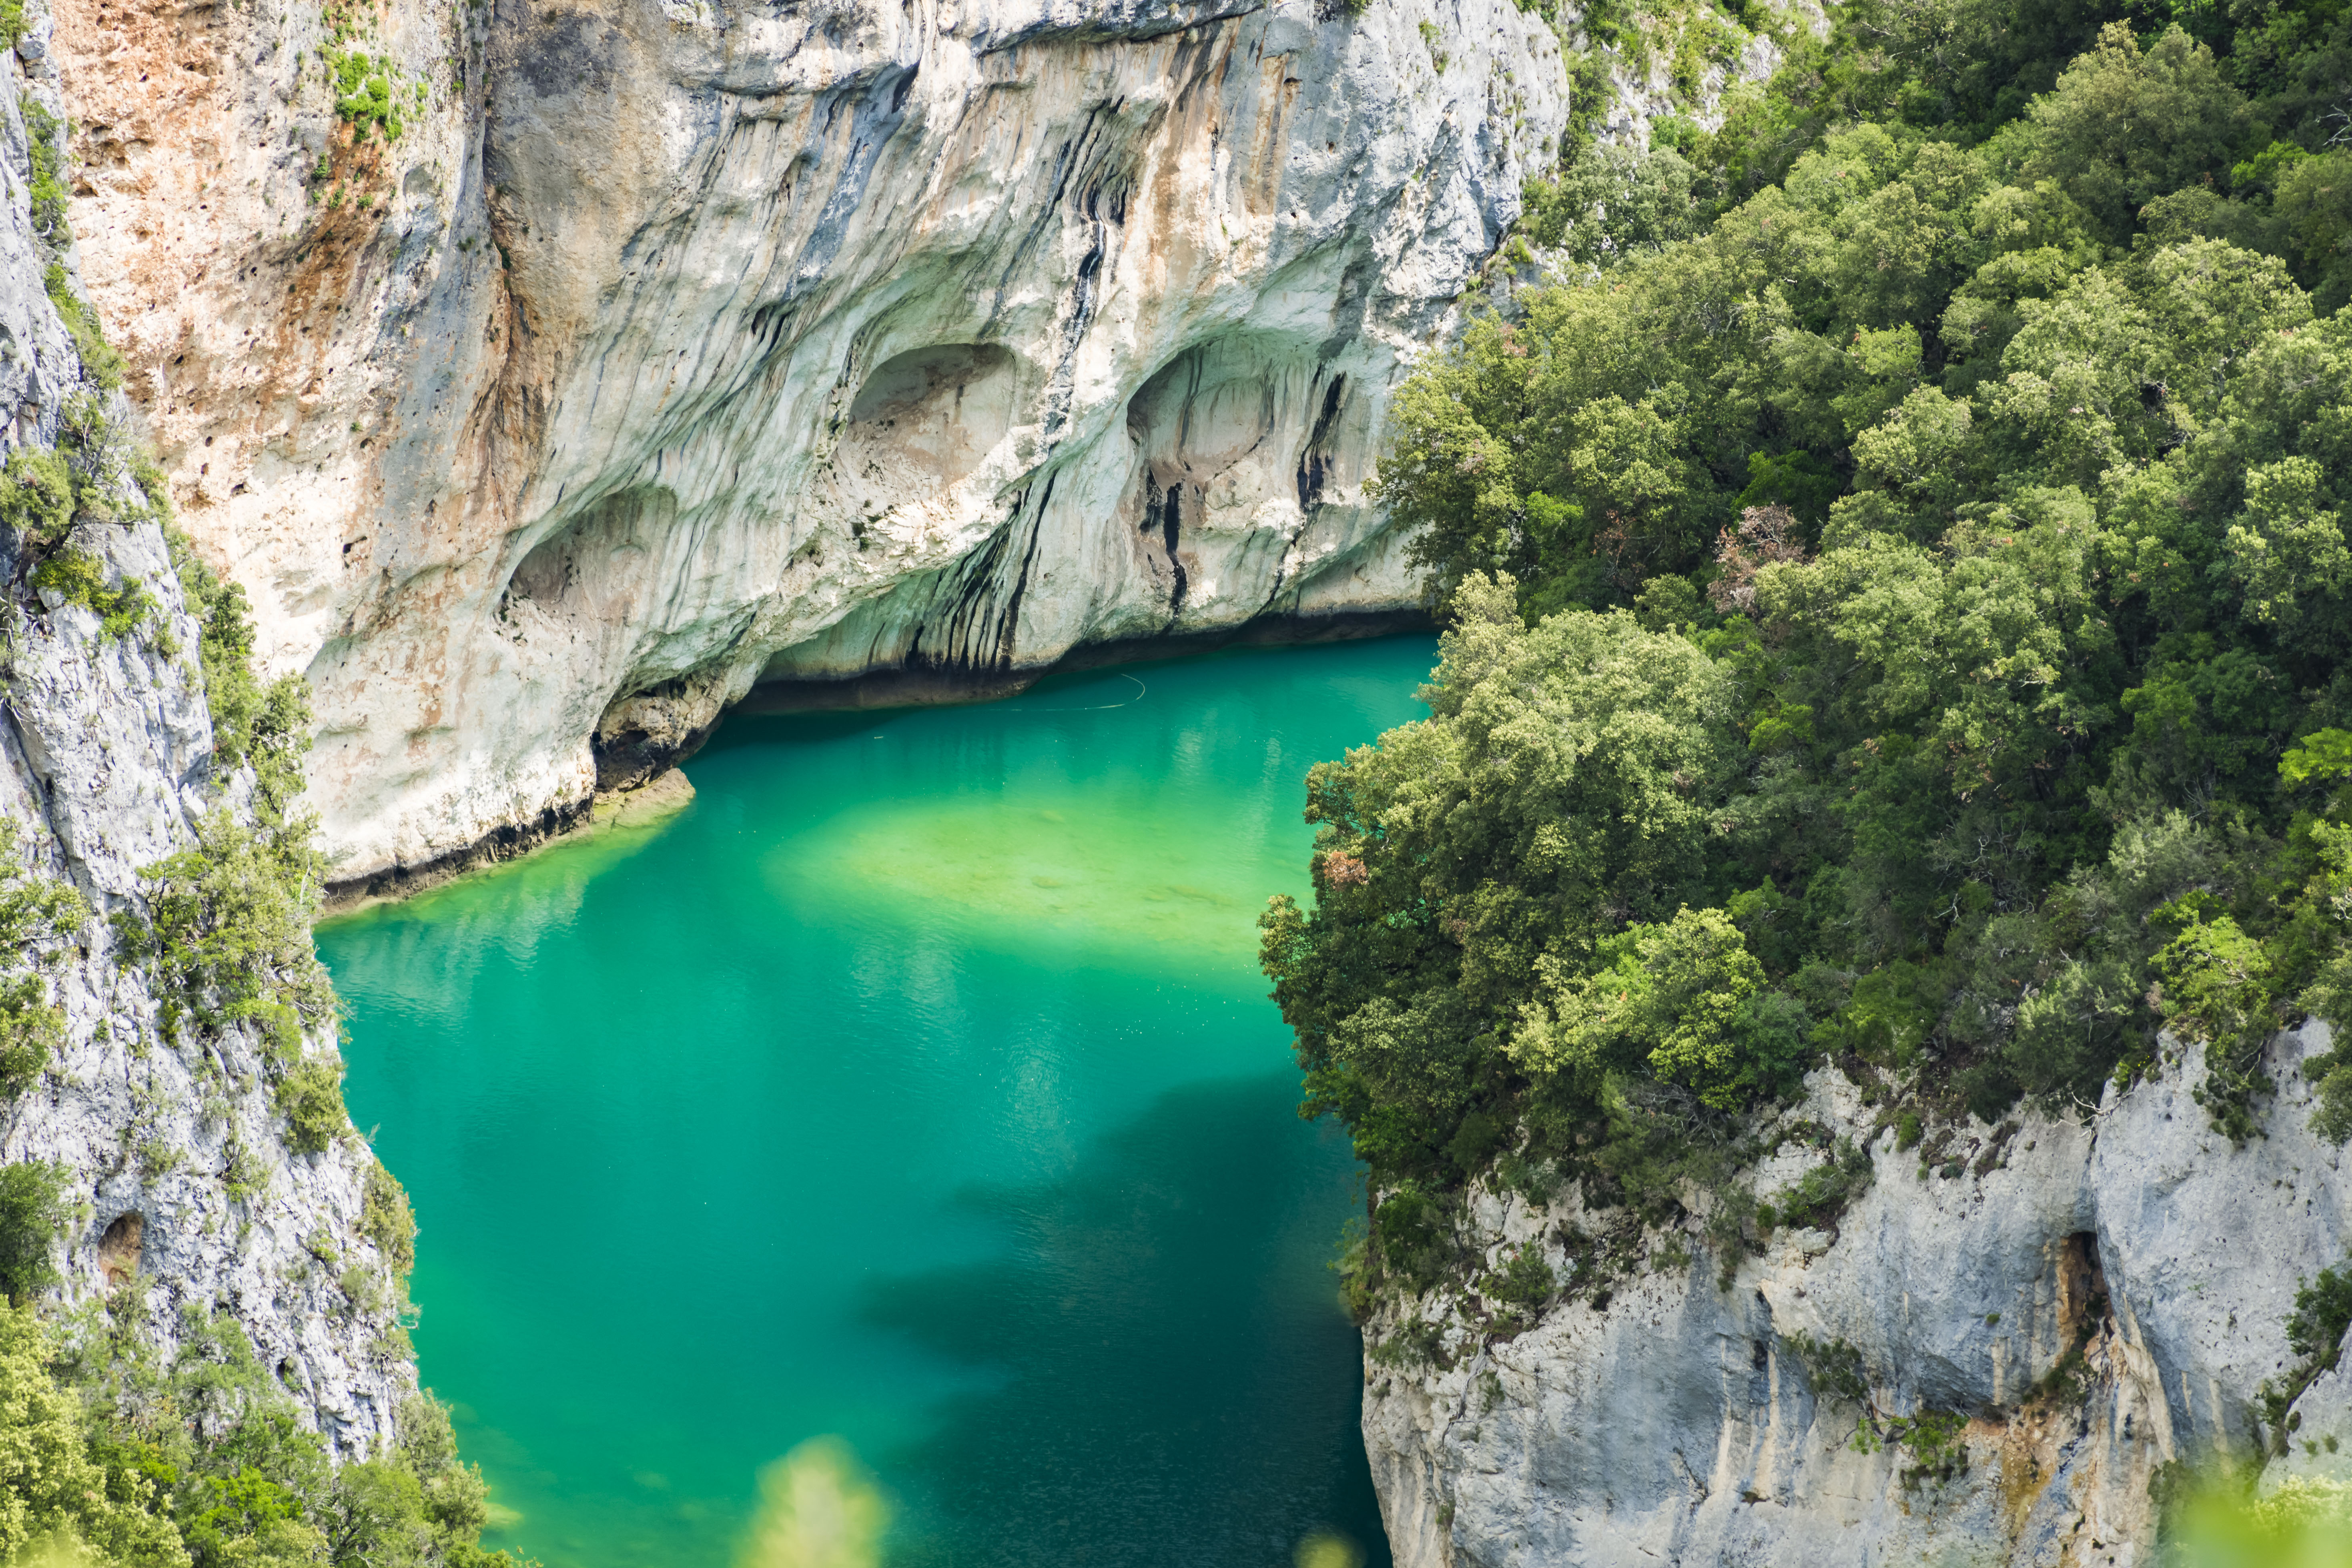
{"x":1179,"y":1385}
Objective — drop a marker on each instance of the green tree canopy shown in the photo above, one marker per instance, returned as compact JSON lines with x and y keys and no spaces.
{"x":1895,"y":574}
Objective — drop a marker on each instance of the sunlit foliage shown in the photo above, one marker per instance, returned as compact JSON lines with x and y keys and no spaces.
{"x":1897,"y":583}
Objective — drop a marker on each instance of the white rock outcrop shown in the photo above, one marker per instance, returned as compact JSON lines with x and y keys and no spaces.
{"x":676,"y":346}
{"x":1680,"y":1421}
{"x":186,"y":1189}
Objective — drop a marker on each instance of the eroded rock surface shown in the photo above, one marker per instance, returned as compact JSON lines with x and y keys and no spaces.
{"x":1689,"y":1421}
{"x":188,"y":1194}
{"x":676,"y":346}
{"x":188,"y":1208}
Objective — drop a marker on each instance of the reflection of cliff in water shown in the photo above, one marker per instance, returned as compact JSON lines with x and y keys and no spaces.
{"x":1202,"y":1320}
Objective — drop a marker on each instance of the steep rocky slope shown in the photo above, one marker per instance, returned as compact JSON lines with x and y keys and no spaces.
{"x":671,"y":348}
{"x":184,"y":1190}
{"x":1996,"y":1358}
{"x":189,"y":1188}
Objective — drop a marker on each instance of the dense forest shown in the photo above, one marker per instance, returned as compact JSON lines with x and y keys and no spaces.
{"x":1893,"y":573}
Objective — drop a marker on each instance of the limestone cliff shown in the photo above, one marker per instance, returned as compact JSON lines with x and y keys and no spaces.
{"x":1991,"y":1356}
{"x":188,"y":1189}
{"x":673,"y":346}
{"x":184,"y":1193}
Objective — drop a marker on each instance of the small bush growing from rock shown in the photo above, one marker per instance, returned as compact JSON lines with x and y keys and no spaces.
{"x":1822,"y":1194}
{"x":2323,"y":1311}
{"x":36,"y":499}
{"x":1414,"y":1236}
{"x":1524,"y":1281}
{"x":36,"y":913}
{"x":363,"y":94}
{"x":32,"y":1208}
{"x":45,"y":155}
{"x":100,"y":363}
{"x":79,"y":578}
{"x":1833,"y":1367}
{"x":310,"y":1098}
{"x":386,"y":1220}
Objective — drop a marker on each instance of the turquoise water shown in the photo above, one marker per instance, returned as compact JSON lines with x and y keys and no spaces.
{"x":916,"y":1086}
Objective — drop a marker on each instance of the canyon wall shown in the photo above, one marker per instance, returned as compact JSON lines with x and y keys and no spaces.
{"x":189,"y":1197}
{"x":2091,"y":1305}
{"x":671,"y":347}
{"x":185,"y":1193}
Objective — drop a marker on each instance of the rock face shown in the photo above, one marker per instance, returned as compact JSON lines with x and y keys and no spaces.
{"x":188,"y":1193}
{"x":1691,"y":1422}
{"x":184,"y":1190}
{"x":675,"y":346}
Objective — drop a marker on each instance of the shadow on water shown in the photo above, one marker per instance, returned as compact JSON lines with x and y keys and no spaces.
{"x":1179,"y":1383}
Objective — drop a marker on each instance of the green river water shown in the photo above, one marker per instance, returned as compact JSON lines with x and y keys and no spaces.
{"x":914,"y":1085}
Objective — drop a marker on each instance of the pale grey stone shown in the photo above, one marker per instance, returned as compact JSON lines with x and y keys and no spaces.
{"x":1678,"y":1427}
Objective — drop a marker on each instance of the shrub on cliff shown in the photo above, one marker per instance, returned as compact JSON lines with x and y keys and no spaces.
{"x":45,"y":155}
{"x":310,"y":1098}
{"x":227,"y":937}
{"x":38,"y":915}
{"x":100,"y":363}
{"x":79,"y":578}
{"x":386,"y":1220}
{"x":37,"y":500}
{"x":364,"y":94}
{"x":2321,"y":1316}
{"x":32,"y":1211}
{"x":201,"y":1460}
